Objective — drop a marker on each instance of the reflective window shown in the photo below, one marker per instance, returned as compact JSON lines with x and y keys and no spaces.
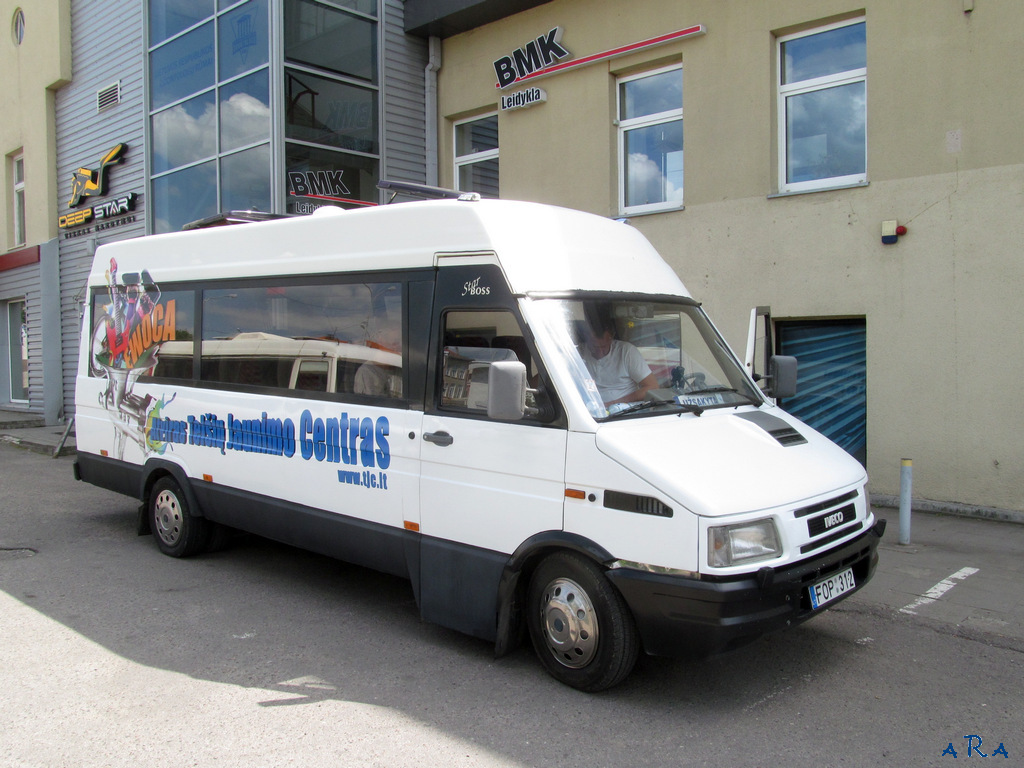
{"x":318,"y":177}
{"x":245,"y":111}
{"x":243,"y":39}
{"x":327,"y":38}
{"x":17,"y":345}
{"x":343,"y":338}
{"x":650,"y":109}
{"x":476,"y":156}
{"x":169,"y":17}
{"x":823,"y":108}
{"x":183,"y":196}
{"x":182,"y":67}
{"x":18,"y":199}
{"x":244,"y":180}
{"x":330,"y":112}
{"x":184,"y":133}
{"x":472,"y":341}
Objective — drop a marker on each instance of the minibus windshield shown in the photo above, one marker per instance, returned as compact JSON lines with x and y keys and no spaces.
{"x":643,"y":356}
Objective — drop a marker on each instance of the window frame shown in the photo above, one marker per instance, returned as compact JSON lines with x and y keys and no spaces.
{"x":812,"y":85}
{"x":486,"y":155}
{"x":18,"y":209}
{"x":625,"y":125}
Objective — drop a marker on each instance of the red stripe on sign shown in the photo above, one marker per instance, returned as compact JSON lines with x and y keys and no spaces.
{"x":611,"y":54}
{"x":21,"y":258}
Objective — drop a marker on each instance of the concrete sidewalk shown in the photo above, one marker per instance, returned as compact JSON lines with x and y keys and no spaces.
{"x":29,"y":431}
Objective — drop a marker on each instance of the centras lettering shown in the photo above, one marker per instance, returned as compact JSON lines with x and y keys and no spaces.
{"x":345,"y":440}
{"x":473,"y":288}
{"x":532,"y":57}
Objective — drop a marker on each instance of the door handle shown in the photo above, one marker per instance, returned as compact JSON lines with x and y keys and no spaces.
{"x":438,"y":438}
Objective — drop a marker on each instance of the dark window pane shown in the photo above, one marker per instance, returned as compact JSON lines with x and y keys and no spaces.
{"x":318,"y":176}
{"x":184,"y":196}
{"x":169,"y":17}
{"x":826,"y":133}
{"x":324,"y":111}
{"x":182,"y":67}
{"x":245,"y":180}
{"x":243,"y":41}
{"x":184,"y":133}
{"x":327,"y":38}
{"x":651,"y":95}
{"x":476,"y":136}
{"x":481,"y":177}
{"x":245,"y":111}
{"x":826,"y":53}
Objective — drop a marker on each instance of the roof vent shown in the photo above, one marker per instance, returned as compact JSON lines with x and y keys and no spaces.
{"x":108,"y":97}
{"x":774,"y":426}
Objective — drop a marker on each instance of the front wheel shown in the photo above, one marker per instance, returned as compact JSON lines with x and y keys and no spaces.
{"x":177,"y":532}
{"x":580,"y":626}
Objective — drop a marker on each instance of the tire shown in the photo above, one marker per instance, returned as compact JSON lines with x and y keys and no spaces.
{"x":581,"y":628}
{"x":177,"y":532}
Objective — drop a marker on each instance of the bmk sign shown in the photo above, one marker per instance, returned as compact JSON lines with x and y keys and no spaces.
{"x":533,"y":57}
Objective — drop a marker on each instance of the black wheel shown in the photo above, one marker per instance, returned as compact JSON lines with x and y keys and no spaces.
{"x":177,"y":532}
{"x":580,"y":626}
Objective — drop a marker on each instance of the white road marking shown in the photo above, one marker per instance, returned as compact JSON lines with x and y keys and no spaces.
{"x":939,"y":589}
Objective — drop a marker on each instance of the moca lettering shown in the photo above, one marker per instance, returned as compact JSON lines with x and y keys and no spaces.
{"x":317,"y":183}
{"x":520,"y":99}
{"x":532,"y":57}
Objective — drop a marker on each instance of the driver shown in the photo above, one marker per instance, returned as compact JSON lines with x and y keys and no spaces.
{"x":617,"y":367}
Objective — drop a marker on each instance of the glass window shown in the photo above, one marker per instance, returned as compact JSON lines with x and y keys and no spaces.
{"x":245,"y":181}
{"x":243,"y":39}
{"x":182,"y":67}
{"x":17,"y":337}
{"x":18,"y":169}
{"x":330,"y":112}
{"x":184,"y":133}
{"x":321,"y":36}
{"x":318,"y":176}
{"x":342,"y":338}
{"x":650,"y":110}
{"x":245,"y":112}
{"x":476,"y":156}
{"x":183,"y":196}
{"x":472,"y":341}
{"x":169,"y":17}
{"x":823,"y":108}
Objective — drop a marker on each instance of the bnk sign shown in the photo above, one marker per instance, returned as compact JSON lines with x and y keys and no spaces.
{"x":531,"y":58}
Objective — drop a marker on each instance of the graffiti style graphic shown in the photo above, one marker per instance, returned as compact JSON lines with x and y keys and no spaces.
{"x":125,"y":342}
{"x":86,"y":182}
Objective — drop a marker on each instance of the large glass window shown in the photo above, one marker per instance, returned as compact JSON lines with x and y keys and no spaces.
{"x":650,"y":119}
{"x":18,"y":198}
{"x":330,"y":112}
{"x":476,"y":155}
{"x":328,"y":38}
{"x":823,"y":108}
{"x":210,"y":109}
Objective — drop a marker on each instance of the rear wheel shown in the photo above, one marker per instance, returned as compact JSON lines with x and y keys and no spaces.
{"x":580,"y":626}
{"x":177,"y":532}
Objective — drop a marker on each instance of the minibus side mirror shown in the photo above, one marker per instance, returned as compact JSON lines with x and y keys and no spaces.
{"x":781,"y":376}
{"x":506,"y":390}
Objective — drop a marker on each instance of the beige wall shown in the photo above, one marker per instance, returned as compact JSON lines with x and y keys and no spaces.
{"x":942,"y":306}
{"x":32,"y":72}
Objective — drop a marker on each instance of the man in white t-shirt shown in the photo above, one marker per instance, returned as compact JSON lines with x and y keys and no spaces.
{"x":619,"y":370}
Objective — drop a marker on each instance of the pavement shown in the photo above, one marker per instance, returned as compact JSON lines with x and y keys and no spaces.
{"x":29,"y":431}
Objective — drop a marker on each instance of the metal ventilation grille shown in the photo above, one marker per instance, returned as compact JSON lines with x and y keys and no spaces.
{"x":108,"y":97}
{"x":774,"y":426}
{"x":628,"y":502}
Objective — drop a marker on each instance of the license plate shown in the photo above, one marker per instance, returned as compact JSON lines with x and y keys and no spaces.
{"x":831,"y":588}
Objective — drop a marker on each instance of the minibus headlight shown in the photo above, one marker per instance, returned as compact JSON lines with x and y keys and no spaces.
{"x":742,"y":543}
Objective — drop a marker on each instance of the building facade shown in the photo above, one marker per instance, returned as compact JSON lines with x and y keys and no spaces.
{"x":35,"y":57}
{"x":182,"y":109}
{"x":838,"y":162}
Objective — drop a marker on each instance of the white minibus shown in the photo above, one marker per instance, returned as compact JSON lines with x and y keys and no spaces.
{"x":519,"y":408}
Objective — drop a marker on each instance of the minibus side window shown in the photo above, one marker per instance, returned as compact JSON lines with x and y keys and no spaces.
{"x":343,"y":338}
{"x":472,"y":341}
{"x":136,"y":327}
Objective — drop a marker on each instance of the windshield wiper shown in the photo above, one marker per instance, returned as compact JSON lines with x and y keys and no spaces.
{"x":642,"y":405}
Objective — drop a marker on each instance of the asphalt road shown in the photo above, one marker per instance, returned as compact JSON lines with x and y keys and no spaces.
{"x":112,"y":654}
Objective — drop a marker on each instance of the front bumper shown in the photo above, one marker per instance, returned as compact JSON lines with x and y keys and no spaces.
{"x":677,"y":616}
